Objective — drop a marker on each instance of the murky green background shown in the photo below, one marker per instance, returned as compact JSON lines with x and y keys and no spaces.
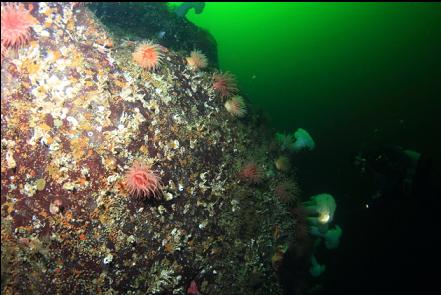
{"x":353,"y":74}
{"x":346,"y":71}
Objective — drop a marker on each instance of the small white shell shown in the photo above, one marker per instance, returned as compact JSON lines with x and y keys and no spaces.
{"x":108,"y":259}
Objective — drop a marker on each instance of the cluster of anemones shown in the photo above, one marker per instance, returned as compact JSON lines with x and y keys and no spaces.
{"x":225,"y":85}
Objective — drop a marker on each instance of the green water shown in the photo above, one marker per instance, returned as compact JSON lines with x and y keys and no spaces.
{"x":342,"y":70}
{"x":353,"y":75}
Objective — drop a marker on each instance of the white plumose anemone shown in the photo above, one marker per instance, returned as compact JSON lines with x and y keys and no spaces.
{"x":303,"y":141}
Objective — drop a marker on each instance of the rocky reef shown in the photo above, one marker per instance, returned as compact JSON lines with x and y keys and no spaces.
{"x":76,"y":114}
{"x":155,"y":20}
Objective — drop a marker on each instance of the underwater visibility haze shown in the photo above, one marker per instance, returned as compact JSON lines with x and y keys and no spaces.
{"x":220,"y":148}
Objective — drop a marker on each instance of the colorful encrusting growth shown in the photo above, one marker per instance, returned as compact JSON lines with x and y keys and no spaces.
{"x":122,"y":169}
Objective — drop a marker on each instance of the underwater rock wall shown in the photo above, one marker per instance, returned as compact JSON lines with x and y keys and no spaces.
{"x":140,"y":20}
{"x":76,"y":115}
